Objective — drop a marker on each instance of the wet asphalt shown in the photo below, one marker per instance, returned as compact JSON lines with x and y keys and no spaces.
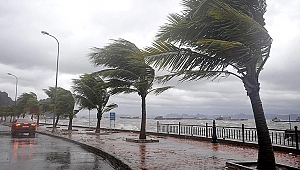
{"x":45,"y":152}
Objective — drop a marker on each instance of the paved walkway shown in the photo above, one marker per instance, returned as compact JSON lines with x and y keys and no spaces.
{"x":169,"y":152}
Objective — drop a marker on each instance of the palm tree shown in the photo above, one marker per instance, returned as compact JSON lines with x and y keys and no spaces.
{"x":33,"y":107}
{"x":7,"y":110}
{"x":127,"y":72}
{"x":23,"y":105}
{"x":91,"y":93}
{"x":50,"y":106}
{"x":64,"y":104}
{"x":213,"y":38}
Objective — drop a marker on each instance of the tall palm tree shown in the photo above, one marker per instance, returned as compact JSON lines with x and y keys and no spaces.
{"x":127,"y":72}
{"x":212,"y":38}
{"x":91,"y":93}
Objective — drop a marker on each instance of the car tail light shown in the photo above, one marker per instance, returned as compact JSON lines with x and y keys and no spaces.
{"x":17,"y":124}
{"x":26,"y":124}
{"x":33,"y":124}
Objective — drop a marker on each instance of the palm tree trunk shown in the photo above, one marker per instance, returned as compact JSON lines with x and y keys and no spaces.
{"x":38,"y":120}
{"x":266,"y":158}
{"x":56,"y":121}
{"x":70,"y":122}
{"x":99,"y":116}
{"x":143,"y":123}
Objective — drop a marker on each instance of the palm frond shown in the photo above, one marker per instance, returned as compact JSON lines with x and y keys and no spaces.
{"x":110,"y":107}
{"x":126,"y":75}
{"x":165,"y":55}
{"x":119,"y":90}
{"x":160,"y":90}
{"x":113,"y":55}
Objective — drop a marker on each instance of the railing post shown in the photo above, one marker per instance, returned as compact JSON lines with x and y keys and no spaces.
{"x":296,"y":136}
{"x":223,"y":132}
{"x":214,"y":135}
{"x":243,"y":133}
{"x":157,"y":127}
{"x":168,"y":128}
{"x":206,"y":129}
{"x":179,"y":127}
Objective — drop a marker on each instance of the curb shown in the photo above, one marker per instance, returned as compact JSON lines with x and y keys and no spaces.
{"x":115,"y":162}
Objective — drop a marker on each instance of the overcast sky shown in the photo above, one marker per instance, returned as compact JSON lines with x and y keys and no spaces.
{"x":80,"y":25}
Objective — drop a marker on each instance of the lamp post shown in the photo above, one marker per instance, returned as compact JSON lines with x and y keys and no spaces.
{"x":16,"y":93}
{"x":55,"y":98}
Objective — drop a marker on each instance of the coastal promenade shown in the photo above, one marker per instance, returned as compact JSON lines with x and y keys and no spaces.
{"x":168,"y":153}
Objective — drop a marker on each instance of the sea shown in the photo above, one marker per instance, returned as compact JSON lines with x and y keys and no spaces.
{"x":151,"y":123}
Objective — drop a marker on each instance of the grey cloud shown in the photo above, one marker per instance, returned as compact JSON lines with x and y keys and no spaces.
{"x":80,"y":25}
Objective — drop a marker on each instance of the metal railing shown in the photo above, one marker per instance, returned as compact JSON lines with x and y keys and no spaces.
{"x":287,"y":138}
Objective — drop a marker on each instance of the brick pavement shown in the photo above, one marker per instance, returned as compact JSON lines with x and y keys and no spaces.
{"x":169,"y":152}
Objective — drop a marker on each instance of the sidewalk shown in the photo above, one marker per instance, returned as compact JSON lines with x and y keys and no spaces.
{"x":169,"y":152}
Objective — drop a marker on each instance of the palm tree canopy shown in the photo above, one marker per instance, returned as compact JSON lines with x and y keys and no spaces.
{"x":211,"y":36}
{"x":32,"y":103}
{"x":22,"y":105}
{"x":7,"y":110}
{"x":91,"y":93}
{"x":119,"y":50}
{"x":127,"y":72}
{"x":64,"y":101}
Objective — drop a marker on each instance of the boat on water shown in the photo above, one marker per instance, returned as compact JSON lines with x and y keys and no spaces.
{"x":223,"y":118}
{"x":129,"y":117}
{"x":167,"y":118}
{"x":172,"y":118}
{"x":229,"y":118}
{"x":276,"y":119}
{"x":201,"y":118}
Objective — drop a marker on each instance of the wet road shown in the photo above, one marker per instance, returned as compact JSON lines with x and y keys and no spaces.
{"x":44,"y":152}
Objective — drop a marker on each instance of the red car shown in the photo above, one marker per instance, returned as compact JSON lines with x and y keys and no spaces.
{"x":22,"y":126}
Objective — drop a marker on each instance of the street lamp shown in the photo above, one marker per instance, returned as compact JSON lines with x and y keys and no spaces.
{"x":55,"y":98}
{"x":16,"y":92}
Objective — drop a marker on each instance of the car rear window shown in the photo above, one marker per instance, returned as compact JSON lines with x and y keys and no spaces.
{"x":24,"y":120}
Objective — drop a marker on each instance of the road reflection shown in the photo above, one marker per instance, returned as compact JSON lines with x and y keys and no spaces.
{"x":23,"y":149}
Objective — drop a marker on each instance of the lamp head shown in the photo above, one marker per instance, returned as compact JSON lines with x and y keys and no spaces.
{"x":9,"y":74}
{"x":44,"y":32}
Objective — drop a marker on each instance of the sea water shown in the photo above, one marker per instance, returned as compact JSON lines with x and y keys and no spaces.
{"x":151,"y":124}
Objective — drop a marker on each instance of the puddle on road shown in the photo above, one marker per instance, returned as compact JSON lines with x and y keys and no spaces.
{"x":60,"y":157}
